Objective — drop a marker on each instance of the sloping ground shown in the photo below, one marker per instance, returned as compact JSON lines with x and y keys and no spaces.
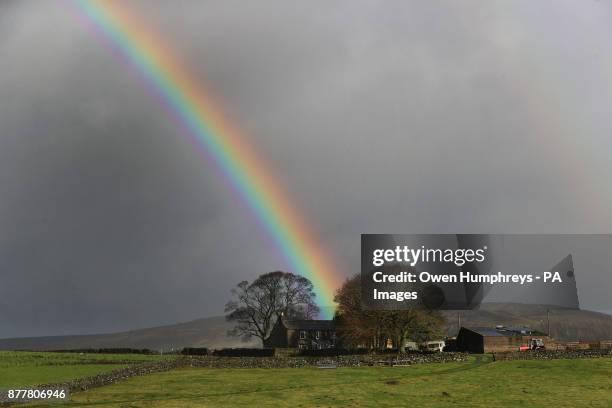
{"x":209,"y":332}
{"x":565,"y":324}
{"x":26,"y":369}
{"x":476,"y":383}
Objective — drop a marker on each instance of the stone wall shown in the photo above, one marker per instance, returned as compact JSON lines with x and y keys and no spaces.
{"x":339,"y":361}
{"x":552,"y":354}
{"x":111,"y":377}
{"x":296,"y":362}
{"x":114,"y":376}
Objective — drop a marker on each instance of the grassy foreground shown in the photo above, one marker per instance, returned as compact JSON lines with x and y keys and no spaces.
{"x":478,"y":383}
{"x":22,"y":369}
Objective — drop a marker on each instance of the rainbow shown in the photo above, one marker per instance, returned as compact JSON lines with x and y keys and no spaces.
{"x":204,"y":121}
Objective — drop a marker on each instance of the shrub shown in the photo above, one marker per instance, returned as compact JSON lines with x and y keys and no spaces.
{"x":194,"y":351}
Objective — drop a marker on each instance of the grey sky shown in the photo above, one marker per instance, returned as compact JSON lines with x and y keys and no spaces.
{"x":378,"y":116}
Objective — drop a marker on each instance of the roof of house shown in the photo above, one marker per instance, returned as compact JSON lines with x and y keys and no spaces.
{"x":309,"y":324}
{"x":486,"y":331}
{"x":505,"y":331}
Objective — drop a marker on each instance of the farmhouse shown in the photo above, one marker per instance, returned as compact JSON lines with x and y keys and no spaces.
{"x":302,"y":334}
{"x":498,"y":339}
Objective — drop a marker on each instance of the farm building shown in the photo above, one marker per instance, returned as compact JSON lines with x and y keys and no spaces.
{"x":498,"y":339}
{"x":302,"y":334}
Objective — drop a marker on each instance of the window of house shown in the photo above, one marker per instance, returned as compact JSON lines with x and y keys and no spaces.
{"x":302,"y":334}
{"x":318,"y":334}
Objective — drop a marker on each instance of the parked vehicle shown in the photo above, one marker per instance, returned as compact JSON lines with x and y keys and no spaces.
{"x":534,"y":344}
{"x":433,"y":346}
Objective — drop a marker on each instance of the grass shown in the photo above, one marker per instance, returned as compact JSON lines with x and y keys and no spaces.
{"x":477,"y":383}
{"x":22,"y":369}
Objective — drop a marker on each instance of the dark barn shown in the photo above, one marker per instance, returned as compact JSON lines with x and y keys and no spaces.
{"x":302,"y":334}
{"x":500,"y":339}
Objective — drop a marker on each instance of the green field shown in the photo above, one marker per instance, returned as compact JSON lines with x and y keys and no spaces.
{"x":21,"y":369}
{"x":477,"y":383}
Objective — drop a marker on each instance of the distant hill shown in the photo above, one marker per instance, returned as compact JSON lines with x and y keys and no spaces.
{"x":565,"y":324}
{"x":208,"y":332}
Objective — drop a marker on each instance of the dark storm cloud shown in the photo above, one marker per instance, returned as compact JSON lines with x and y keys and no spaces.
{"x":377,"y":116}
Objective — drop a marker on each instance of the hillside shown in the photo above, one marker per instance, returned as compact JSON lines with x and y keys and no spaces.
{"x":565,"y":324}
{"x":207,"y":332}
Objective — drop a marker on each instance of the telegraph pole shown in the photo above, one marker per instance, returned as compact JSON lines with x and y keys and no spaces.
{"x":458,"y":321}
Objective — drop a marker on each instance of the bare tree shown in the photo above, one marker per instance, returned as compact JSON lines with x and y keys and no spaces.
{"x":256,"y":306}
{"x":297,"y":297}
{"x":358,"y":327}
{"x":372,"y":328}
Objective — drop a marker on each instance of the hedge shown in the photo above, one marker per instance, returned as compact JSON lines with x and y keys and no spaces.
{"x":243,"y":352}
{"x":194,"y":351}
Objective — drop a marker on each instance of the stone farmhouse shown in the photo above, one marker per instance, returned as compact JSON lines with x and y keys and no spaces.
{"x":302,"y":334}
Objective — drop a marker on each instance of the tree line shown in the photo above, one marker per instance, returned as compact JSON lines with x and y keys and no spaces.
{"x":374,"y":329}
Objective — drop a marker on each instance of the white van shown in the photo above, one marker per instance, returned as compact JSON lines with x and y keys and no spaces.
{"x":434,"y":346}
